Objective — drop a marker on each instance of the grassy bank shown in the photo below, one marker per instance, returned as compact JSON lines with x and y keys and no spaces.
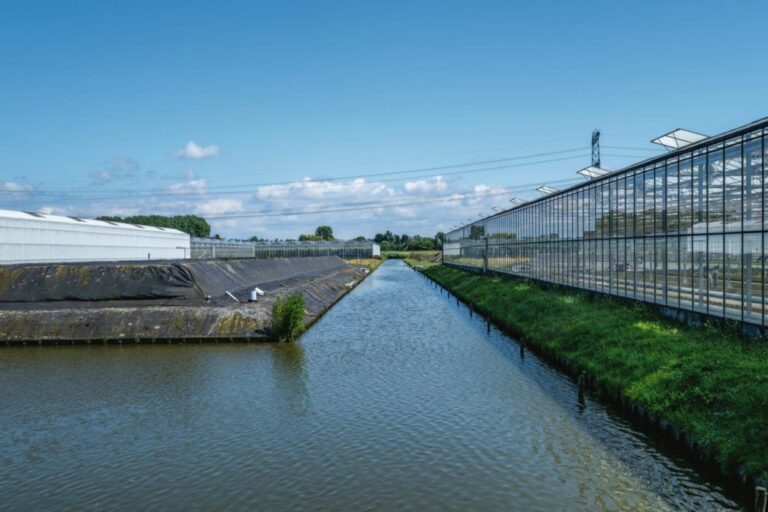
{"x":711,"y":384}
{"x":414,"y":255}
{"x":371,"y":263}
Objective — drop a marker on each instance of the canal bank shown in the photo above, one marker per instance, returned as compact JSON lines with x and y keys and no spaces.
{"x":171,"y":301}
{"x":397,"y":399}
{"x":705,"y":388}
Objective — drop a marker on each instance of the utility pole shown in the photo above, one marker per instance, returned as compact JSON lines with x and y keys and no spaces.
{"x":596,"y":148}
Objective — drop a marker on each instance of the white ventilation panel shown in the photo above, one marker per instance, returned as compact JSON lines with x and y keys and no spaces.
{"x":593,"y":172}
{"x":678,"y":139}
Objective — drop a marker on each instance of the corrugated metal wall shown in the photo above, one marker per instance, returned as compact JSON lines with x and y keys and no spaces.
{"x":36,"y":238}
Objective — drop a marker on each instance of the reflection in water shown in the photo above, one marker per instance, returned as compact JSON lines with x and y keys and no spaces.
{"x":288,"y":369}
{"x":396,"y":399}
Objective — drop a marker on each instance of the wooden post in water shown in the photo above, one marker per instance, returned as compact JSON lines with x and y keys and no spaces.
{"x":760,"y":499}
{"x":582,"y":385}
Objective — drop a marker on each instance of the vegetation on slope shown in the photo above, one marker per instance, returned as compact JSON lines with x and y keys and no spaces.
{"x":288,"y":317}
{"x":412,"y":255}
{"x":711,"y":384}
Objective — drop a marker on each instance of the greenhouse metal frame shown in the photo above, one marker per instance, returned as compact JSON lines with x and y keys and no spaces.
{"x":685,"y":230}
{"x":205,"y":248}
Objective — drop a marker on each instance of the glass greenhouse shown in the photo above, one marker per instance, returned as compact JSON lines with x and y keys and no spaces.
{"x":685,"y":229}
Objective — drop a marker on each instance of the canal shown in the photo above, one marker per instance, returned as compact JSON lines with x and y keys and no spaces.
{"x":396,"y":399}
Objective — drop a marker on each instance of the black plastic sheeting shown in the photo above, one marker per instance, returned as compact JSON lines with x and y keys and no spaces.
{"x":95,"y":282}
{"x":216,"y":277}
{"x":188,"y":280}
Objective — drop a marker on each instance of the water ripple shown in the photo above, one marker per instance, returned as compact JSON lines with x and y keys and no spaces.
{"x":396,"y":399}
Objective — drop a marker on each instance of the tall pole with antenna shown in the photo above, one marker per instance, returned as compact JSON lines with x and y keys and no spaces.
{"x":596,"y":148}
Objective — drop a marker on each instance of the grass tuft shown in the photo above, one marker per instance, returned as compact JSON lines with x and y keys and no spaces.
{"x":288,"y":317}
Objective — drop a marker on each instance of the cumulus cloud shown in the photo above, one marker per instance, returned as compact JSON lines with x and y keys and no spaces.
{"x":12,"y":186}
{"x":433,"y":184}
{"x":189,"y":187}
{"x":194,"y":151}
{"x":101,"y":176}
{"x":220,"y":206}
{"x":353,"y":207}
{"x":314,"y":190}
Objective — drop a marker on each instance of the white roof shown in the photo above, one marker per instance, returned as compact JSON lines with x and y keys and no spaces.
{"x":44,"y":217}
{"x":679,"y":138}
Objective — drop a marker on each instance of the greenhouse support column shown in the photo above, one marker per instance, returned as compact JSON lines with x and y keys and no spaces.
{"x":485,"y":256}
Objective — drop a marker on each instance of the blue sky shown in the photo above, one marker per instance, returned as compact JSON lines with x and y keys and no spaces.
{"x":99,"y":102}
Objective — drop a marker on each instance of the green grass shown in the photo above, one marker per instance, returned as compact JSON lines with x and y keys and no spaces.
{"x":708,"y":382}
{"x":288,"y":317}
{"x":416,"y":255}
{"x":420,"y":264}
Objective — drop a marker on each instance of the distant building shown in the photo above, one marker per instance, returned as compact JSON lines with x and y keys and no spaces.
{"x":28,"y":237}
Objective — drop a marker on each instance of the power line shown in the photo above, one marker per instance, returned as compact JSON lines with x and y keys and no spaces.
{"x":373,"y":205}
{"x":368,"y":164}
{"x":655,"y":150}
{"x":289,"y":213}
{"x":243,"y":188}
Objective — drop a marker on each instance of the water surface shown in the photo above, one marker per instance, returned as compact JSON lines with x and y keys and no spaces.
{"x":396,"y":399}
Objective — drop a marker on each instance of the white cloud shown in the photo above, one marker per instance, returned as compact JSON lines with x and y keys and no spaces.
{"x":194,"y":151}
{"x":433,"y":184}
{"x":220,"y":206}
{"x":189,"y":187}
{"x":11,"y":186}
{"x":309,"y":189}
{"x":419,"y":206}
{"x":101,"y":176}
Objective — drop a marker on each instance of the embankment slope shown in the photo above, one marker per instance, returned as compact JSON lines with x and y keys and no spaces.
{"x":708,"y":384}
{"x":159,"y":301}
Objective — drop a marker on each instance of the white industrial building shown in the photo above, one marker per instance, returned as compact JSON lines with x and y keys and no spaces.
{"x":27,"y":237}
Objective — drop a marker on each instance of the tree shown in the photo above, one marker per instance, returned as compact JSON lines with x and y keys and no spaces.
{"x":324,"y":232}
{"x":420,"y":243}
{"x":360,"y":239}
{"x":310,"y":238}
{"x":439,"y":239}
{"x":190,"y":224}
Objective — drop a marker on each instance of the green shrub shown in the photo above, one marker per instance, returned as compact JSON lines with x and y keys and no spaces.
{"x":288,"y":317}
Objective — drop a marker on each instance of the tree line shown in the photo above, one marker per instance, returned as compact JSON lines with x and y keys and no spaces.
{"x":392,"y":242}
{"x":190,"y":224}
{"x":198,"y":227}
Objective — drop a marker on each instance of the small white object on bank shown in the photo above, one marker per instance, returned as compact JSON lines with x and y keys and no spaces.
{"x":254,"y":296}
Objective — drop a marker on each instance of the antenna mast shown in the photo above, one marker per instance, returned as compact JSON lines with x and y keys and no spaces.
{"x":596,"y":148}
